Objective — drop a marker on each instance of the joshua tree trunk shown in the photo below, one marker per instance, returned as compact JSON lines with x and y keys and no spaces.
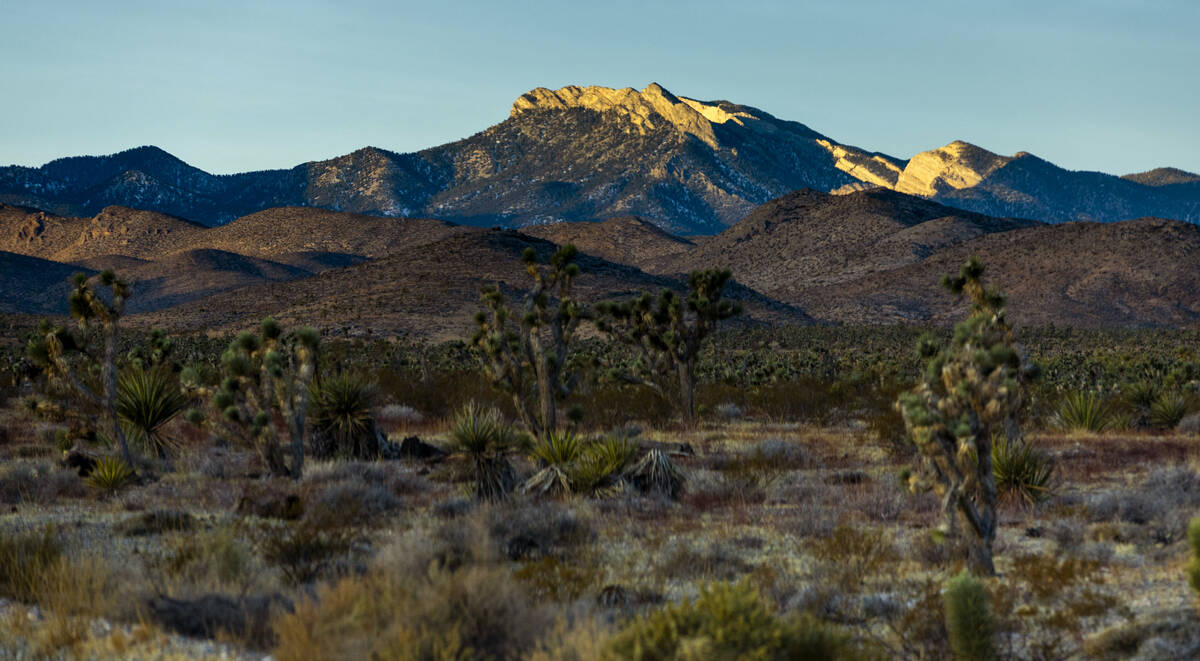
{"x":109,"y":375}
{"x":687,"y":392}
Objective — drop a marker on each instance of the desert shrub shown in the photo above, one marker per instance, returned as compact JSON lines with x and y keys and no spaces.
{"x":1047,"y":602}
{"x":37,"y":482}
{"x":851,"y":553}
{"x":223,"y":557}
{"x":351,"y":503}
{"x":305,"y":550}
{"x":1022,"y":471}
{"x":394,"y":612}
{"x":1084,"y":411}
{"x":156,"y":522}
{"x":1168,"y":409}
{"x":110,"y":474}
{"x":147,"y":399}
{"x":693,"y":559}
{"x":25,"y":558}
{"x":537,"y":529}
{"x":726,"y":621}
{"x":487,"y":439}
{"x":969,"y":622}
{"x":555,"y":579}
{"x":341,"y":416}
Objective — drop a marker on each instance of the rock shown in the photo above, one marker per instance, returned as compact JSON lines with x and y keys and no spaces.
{"x":156,"y":522}
{"x":271,"y":503}
{"x":848,"y":477}
{"x":1190,"y":424}
{"x":83,"y":463}
{"x":213,"y":614}
{"x":414,"y":448}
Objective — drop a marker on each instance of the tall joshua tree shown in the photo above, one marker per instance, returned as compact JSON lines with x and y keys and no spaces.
{"x":72,"y":364}
{"x":266,"y":377}
{"x":669,"y":332}
{"x":525,"y":351}
{"x":972,"y":388}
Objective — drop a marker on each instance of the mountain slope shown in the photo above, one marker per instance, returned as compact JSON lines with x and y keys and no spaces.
{"x":1134,"y":273}
{"x":631,"y":240}
{"x":809,"y":238}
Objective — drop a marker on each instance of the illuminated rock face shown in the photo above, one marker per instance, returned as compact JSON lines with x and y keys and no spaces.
{"x":955,"y":166}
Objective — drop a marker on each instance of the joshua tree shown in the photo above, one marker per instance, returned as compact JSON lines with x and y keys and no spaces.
{"x":84,"y":367}
{"x":972,"y":389}
{"x":525,"y":353}
{"x":267,"y":376}
{"x":669,"y":332}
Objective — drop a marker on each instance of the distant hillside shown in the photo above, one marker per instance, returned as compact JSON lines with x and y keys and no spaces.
{"x":630,"y":240}
{"x":593,"y":153}
{"x":432,"y":293}
{"x":1135,"y":273}
{"x":867,"y":256}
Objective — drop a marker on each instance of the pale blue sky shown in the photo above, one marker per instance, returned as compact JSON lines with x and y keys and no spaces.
{"x":1110,"y":85}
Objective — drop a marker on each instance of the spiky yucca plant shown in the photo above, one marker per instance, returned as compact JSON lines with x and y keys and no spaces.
{"x":1022,"y":471}
{"x":483,"y":435}
{"x":1168,"y":409}
{"x":146,"y":401}
{"x":110,"y":474}
{"x":1084,"y":411}
{"x":603,"y":461}
{"x":655,"y":473}
{"x":341,"y":411}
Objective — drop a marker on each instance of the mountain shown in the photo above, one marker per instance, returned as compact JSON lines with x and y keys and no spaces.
{"x":29,"y":285}
{"x":593,"y":153}
{"x":1163,"y":177}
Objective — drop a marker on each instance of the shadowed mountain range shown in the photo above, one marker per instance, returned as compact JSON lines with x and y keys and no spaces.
{"x":593,"y":153}
{"x":871,"y":256}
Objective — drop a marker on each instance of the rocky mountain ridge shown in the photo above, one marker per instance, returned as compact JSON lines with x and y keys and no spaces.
{"x":593,"y":153}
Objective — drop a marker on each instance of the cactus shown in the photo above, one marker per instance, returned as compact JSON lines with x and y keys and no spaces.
{"x":75,"y":369}
{"x":972,"y":388}
{"x":526,"y":354}
{"x":969,"y":622}
{"x":668,"y":334}
{"x":266,"y":377}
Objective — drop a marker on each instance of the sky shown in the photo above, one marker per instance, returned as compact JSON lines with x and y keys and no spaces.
{"x":1109,"y":85}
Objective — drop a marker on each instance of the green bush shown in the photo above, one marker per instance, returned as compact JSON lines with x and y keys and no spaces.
{"x":1022,"y":471}
{"x":727,"y":621}
{"x":1084,"y":411}
{"x":969,"y":621}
